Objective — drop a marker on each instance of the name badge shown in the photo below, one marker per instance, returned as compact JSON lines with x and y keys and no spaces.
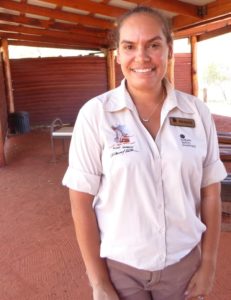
{"x":182,"y":122}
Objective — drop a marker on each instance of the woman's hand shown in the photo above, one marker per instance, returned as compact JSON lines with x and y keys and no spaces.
{"x":106,"y":292}
{"x":202,"y":281}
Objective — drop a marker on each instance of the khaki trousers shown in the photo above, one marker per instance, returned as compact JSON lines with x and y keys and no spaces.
{"x":167,"y":284}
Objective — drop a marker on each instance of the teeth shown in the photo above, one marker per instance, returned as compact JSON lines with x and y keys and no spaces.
{"x":142,"y":70}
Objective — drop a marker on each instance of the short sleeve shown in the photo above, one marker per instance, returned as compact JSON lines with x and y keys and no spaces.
{"x":213,"y":168}
{"x":84,"y":170}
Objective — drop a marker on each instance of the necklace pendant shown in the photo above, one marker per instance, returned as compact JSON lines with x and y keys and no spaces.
{"x":145,"y":120}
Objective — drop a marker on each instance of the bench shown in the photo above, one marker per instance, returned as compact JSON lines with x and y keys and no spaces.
{"x":226,"y":189}
{"x":224,"y":137}
{"x":225,"y":152}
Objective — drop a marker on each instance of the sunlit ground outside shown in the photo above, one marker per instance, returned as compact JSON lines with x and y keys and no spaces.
{"x":214,"y":71}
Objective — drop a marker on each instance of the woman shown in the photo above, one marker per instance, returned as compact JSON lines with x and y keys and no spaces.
{"x":144,"y":173}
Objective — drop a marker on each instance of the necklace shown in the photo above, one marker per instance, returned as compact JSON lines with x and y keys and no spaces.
{"x":146,"y":120}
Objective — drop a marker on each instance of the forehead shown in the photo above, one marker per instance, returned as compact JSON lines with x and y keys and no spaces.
{"x":141,"y":25}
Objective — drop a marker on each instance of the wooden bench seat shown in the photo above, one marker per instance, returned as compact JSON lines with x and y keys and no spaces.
{"x":225,"y":152}
{"x":224,"y":137}
{"x":226,"y":189}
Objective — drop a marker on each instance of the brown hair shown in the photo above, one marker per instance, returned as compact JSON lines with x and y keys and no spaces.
{"x":149,"y":11}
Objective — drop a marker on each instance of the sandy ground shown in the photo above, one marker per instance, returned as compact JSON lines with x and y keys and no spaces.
{"x":39,"y":255}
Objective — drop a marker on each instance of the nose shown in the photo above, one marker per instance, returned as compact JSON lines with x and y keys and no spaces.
{"x":142,"y":55}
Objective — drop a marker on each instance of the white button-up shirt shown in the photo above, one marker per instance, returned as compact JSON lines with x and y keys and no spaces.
{"x":146,"y":191}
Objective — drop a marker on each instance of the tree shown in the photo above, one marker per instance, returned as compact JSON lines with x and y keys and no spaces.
{"x":215,"y":75}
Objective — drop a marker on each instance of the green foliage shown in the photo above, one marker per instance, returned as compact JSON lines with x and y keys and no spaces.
{"x":215,"y":74}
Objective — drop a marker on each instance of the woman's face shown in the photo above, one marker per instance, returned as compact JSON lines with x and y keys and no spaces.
{"x":143,"y":52}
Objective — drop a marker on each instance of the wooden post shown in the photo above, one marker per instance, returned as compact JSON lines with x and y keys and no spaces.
{"x":170,"y":70}
{"x":194,"y":65}
{"x":7,"y":74}
{"x":111,"y":69}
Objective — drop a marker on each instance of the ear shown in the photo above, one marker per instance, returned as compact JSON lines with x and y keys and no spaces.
{"x":118,"y":57}
{"x":170,"y":51}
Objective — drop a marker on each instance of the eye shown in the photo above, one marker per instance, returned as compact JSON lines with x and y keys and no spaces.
{"x":128,"y":47}
{"x":154,"y":45}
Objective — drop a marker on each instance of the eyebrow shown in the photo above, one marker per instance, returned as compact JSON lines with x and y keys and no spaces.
{"x":156,"y":38}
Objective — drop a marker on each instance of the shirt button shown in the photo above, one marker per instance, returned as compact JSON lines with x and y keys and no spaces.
{"x":159,"y":206}
{"x":160,"y":230}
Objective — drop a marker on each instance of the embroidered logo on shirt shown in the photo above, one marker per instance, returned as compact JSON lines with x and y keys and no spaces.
{"x":186,"y":142}
{"x":123,"y":141}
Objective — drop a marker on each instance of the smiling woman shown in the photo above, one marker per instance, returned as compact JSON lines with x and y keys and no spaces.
{"x":147,"y":217}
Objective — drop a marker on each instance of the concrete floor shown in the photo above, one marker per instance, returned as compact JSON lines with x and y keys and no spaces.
{"x":39,"y":255}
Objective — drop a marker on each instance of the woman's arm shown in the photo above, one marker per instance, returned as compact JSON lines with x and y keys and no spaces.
{"x":88,"y":237}
{"x":202,"y":281}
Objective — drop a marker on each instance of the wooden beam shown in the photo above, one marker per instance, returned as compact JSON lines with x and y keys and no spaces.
{"x":92,"y":7}
{"x":214,"y":10}
{"x":7,"y":74}
{"x":173,"y":6}
{"x":194,"y":66}
{"x":2,"y":152}
{"x":53,"y":33}
{"x":56,"y":14}
{"x":214,"y":33}
{"x":110,"y":54}
{"x":3,"y":114}
{"x":203,"y":29}
{"x":44,"y":39}
{"x":44,"y":45}
{"x":51,"y":24}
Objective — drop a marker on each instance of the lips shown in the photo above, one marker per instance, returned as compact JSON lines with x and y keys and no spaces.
{"x":142,"y":70}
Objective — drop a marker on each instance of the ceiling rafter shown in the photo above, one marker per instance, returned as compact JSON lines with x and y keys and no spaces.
{"x":214,"y":10}
{"x":45,"y":39}
{"x":51,"y":24}
{"x":204,"y":28}
{"x":44,"y":44}
{"x":52,"y":33}
{"x":214,"y":33}
{"x":51,"y":13}
{"x":173,"y":6}
{"x":93,"y":7}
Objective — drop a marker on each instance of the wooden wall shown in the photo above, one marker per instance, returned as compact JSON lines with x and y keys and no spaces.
{"x":57,"y":87}
{"x":182,"y":72}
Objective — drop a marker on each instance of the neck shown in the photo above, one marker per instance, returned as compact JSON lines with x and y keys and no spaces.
{"x":146,"y":97}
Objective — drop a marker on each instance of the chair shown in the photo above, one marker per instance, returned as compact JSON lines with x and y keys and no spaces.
{"x":59,"y":131}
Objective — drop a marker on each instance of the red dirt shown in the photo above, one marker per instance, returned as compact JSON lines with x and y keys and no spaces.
{"x":39,"y":255}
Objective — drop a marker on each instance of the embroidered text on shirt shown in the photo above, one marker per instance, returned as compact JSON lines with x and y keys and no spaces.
{"x":123,"y":141}
{"x":186,"y":142}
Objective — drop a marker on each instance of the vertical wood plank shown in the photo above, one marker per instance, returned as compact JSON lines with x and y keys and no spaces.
{"x":111,"y":69}
{"x":194,"y":66}
{"x":7,"y":74}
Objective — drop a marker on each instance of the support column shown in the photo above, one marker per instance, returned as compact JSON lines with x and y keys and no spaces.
{"x":170,"y":70}
{"x":7,"y":74}
{"x":111,"y":69}
{"x":194,"y":66}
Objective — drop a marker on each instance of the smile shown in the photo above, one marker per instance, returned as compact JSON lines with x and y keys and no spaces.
{"x":143,"y":70}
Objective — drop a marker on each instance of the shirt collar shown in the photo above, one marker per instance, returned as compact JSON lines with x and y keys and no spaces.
{"x":120,"y":99}
{"x":173,"y":100}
